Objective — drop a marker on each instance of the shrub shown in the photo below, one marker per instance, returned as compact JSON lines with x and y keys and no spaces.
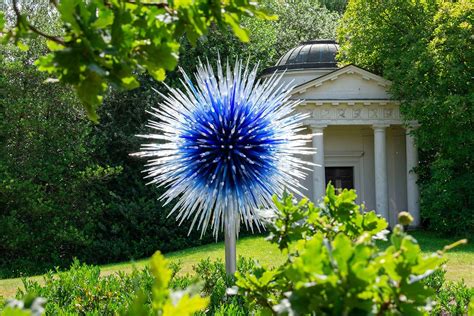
{"x":82,"y":290}
{"x":436,"y":279}
{"x":216,"y":282}
{"x":452,"y":298}
{"x":334,"y":265}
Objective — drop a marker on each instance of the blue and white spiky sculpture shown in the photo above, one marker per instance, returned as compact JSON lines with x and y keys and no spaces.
{"x":223,"y":146}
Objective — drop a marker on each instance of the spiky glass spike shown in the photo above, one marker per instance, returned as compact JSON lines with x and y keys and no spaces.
{"x":225,"y":145}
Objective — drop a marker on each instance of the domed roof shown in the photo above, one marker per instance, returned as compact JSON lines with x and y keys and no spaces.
{"x":311,"y":54}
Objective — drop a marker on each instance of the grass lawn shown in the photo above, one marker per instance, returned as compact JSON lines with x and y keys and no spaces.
{"x":460,"y":260}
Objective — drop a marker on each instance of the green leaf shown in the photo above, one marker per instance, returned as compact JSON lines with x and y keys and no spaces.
{"x":179,"y":4}
{"x":411,"y":249}
{"x":2,"y":20}
{"x":67,"y":8}
{"x":159,"y":74}
{"x":240,"y":32}
{"x":130,"y":82}
{"x":90,"y":91}
{"x":342,"y":251}
{"x":53,"y":46}
{"x":106,"y":18}
{"x":22,"y":46}
{"x":159,"y":269}
{"x":186,"y":306}
{"x":428,"y":263}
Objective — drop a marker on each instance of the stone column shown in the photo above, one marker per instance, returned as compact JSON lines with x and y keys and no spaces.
{"x":319,"y":176}
{"x":413,"y":194}
{"x":381,"y":184}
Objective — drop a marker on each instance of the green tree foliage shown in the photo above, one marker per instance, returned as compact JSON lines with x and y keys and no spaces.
{"x":335,"y":5}
{"x":335,"y":266}
{"x":301,"y":21}
{"x":103,"y":43}
{"x":426,"y":49}
{"x":45,"y":170}
{"x":298,"y":21}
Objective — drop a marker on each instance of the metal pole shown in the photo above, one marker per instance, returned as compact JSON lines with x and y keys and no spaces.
{"x":230,"y":246}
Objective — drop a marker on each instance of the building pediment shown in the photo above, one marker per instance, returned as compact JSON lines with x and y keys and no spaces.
{"x":347,"y":83}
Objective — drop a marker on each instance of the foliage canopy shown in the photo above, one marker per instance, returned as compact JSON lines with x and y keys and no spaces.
{"x":102,"y":43}
{"x":427,"y":49}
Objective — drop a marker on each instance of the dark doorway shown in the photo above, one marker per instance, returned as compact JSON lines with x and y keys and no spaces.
{"x":340,"y":177}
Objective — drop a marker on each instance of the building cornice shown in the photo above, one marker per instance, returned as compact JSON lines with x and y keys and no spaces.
{"x":349,"y":69}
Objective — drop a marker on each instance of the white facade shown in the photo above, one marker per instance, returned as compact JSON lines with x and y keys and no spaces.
{"x":357,"y":128}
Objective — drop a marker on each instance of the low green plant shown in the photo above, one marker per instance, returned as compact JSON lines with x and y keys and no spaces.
{"x":215,"y":285}
{"x":436,"y":280}
{"x":82,"y":290}
{"x":453,"y":299}
{"x":334,"y":265}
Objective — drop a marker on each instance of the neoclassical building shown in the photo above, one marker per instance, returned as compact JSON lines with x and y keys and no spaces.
{"x":360,"y":138}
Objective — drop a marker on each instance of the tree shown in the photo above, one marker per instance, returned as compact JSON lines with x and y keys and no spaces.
{"x":298,"y":21}
{"x":45,"y":175}
{"x":426,"y":49}
{"x":301,"y":21}
{"x":104,"y":43}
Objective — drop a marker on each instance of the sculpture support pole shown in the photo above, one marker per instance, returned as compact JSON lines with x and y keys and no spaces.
{"x":231,"y":245}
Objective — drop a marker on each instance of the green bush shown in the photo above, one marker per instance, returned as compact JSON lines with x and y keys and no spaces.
{"x":436,"y":279}
{"x":335,"y":266}
{"x":83,"y":290}
{"x":452,"y":298}
{"x":216,"y":282}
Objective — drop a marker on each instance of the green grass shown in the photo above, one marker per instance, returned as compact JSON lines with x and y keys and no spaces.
{"x":460,"y":260}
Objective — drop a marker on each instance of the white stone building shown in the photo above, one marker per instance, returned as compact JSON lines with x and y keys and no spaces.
{"x":360,"y":138}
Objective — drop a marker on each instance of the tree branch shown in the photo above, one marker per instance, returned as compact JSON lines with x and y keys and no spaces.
{"x":32,"y":28}
{"x":160,"y":5}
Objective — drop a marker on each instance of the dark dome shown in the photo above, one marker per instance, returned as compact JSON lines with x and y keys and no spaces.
{"x":311,"y":54}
